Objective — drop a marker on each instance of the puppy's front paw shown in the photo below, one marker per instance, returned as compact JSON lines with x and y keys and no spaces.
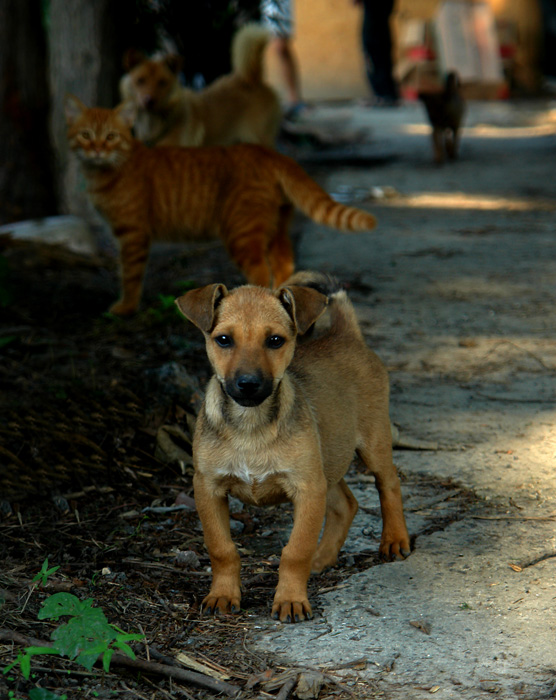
{"x":122,"y":308}
{"x":220,"y":604}
{"x":287,"y":611}
{"x":394,"y":546}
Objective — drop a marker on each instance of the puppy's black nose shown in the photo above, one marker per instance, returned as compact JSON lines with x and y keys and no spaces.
{"x":248,"y":384}
{"x":249,"y":389}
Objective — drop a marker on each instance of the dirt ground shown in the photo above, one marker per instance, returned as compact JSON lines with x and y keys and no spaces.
{"x":455,"y":291}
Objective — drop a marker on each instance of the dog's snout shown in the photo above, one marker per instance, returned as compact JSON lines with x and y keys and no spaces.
{"x":249,"y":389}
{"x":248,"y":384}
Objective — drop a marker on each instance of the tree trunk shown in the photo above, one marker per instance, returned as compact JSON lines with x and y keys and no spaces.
{"x":27,"y":183}
{"x":82,"y":62}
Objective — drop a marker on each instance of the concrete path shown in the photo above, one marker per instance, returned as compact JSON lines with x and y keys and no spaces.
{"x":456,"y":291}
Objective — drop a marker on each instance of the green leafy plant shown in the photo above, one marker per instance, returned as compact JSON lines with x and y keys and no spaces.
{"x":86,"y":636}
{"x":166,"y":301}
{"x":38,"y":694}
{"x":44,"y":573}
{"x":185,"y":285}
{"x":163,"y":309}
{"x":7,"y":339}
{"x":108,"y":316}
{"x":44,"y":694}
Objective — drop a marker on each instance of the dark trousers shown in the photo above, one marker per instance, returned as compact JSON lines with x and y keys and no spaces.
{"x":548,"y":63}
{"x":377,"y":47}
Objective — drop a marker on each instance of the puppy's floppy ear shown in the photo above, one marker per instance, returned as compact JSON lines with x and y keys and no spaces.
{"x":73,"y":108}
{"x":174,"y":62}
{"x":303,"y":304}
{"x":199,"y":305}
{"x":132,"y":58}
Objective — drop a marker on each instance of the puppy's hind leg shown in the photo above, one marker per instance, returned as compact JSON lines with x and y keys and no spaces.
{"x":341,"y":508}
{"x":376,"y":453}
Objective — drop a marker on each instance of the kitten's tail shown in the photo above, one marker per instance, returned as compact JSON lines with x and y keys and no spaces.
{"x":248,"y":47}
{"x":317,"y":204}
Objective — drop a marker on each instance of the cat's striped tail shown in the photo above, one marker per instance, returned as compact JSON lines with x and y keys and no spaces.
{"x":312,"y":200}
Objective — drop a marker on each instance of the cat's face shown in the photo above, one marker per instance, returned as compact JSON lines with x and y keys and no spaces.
{"x":101,"y":138}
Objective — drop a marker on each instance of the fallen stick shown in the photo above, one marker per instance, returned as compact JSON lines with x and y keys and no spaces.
{"x":287,"y":688}
{"x":175,"y":672}
{"x":514,"y":517}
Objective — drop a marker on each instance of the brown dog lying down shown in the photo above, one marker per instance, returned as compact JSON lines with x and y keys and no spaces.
{"x":281,"y":421}
{"x":236,"y":108}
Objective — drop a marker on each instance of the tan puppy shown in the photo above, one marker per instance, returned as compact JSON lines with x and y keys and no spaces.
{"x":281,"y":421}
{"x":236,"y":108}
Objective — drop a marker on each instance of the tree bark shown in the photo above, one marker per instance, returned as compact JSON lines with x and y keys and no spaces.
{"x":81,"y":63}
{"x":27,"y":182}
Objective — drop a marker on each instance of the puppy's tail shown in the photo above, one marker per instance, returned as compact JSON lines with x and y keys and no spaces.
{"x":248,"y":47}
{"x":342,"y":314}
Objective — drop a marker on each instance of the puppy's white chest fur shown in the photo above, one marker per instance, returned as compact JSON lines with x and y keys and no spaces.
{"x":246,"y":471}
{"x":240,"y":470}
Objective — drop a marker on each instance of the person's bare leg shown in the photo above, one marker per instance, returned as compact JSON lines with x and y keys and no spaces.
{"x":289,"y":69}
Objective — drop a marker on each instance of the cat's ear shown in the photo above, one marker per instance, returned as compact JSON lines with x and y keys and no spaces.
{"x":199,"y":305}
{"x":127,"y":112}
{"x":174,"y":62}
{"x":73,"y":108}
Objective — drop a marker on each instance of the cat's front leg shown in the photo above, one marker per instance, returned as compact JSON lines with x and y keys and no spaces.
{"x":134,"y":251}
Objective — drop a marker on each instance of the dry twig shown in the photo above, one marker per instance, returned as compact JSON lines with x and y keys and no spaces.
{"x":175,"y":672}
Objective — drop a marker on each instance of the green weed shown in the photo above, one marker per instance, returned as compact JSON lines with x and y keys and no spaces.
{"x":7,"y":339}
{"x":86,"y":636}
{"x":44,"y":694}
{"x":44,"y":573}
{"x":186,"y":285}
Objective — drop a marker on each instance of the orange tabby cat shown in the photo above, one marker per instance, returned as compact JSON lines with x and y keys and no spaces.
{"x":243,"y":193}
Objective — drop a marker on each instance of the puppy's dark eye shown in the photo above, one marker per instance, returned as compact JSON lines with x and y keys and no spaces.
{"x":275,"y":341}
{"x":110,"y":136}
{"x":86,"y":135}
{"x":225,"y":341}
